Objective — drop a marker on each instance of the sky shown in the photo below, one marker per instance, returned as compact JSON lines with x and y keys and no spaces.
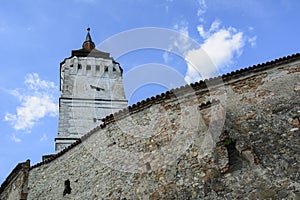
{"x":35,"y":36}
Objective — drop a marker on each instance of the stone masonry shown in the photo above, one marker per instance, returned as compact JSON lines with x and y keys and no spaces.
{"x":190,"y":143}
{"x":16,"y":184}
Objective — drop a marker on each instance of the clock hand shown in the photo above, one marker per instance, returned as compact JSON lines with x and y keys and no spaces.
{"x":96,"y":88}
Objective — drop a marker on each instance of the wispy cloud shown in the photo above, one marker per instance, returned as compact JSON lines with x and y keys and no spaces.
{"x":44,"y":137}
{"x":37,"y":100}
{"x":180,"y":43}
{"x":201,"y":10}
{"x":252,"y":41}
{"x":34,"y":82}
{"x":15,"y":138}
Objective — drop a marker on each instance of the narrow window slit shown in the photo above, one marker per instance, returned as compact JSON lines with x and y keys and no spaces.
{"x":68,"y":188}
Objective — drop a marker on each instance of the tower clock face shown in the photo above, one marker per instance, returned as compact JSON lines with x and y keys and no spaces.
{"x":95,"y":85}
{"x":90,"y":87}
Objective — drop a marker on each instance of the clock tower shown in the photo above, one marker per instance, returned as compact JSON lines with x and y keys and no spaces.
{"x":91,"y":88}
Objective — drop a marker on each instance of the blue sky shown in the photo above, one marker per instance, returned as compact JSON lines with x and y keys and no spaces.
{"x":35,"y":36}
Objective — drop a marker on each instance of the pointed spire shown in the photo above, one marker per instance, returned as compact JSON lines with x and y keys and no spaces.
{"x":88,"y":44}
{"x":88,"y":37}
{"x":89,"y":49}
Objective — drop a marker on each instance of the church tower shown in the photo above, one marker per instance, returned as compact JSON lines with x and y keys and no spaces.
{"x":91,"y":88}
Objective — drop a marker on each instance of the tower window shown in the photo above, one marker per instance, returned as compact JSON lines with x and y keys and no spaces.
{"x":79,"y":66}
{"x":88,"y":67}
{"x":106,"y":69}
{"x":97,"y":68}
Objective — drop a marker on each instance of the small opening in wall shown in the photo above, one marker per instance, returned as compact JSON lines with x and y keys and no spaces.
{"x":106,"y":69}
{"x":97,"y":68}
{"x":148,"y":166}
{"x":79,"y":66}
{"x":88,"y":67}
{"x":68,"y":188}
{"x":235,"y":159}
{"x":114,"y":69}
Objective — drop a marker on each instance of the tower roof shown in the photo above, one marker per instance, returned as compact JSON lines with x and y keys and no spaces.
{"x":88,"y":44}
{"x":88,"y":49}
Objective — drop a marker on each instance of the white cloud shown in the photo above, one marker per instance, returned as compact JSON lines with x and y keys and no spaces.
{"x":15,"y":138}
{"x":221,"y":45}
{"x":199,"y":65}
{"x":252,"y":41}
{"x":36,"y":101}
{"x":201,"y":10}
{"x":34,"y":82}
{"x":182,"y":27}
{"x":215,"y":26}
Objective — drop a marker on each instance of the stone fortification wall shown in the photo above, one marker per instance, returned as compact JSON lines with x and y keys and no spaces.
{"x":15,"y":185}
{"x":176,"y":146}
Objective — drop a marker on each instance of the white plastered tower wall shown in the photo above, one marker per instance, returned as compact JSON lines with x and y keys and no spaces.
{"x":91,"y":88}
